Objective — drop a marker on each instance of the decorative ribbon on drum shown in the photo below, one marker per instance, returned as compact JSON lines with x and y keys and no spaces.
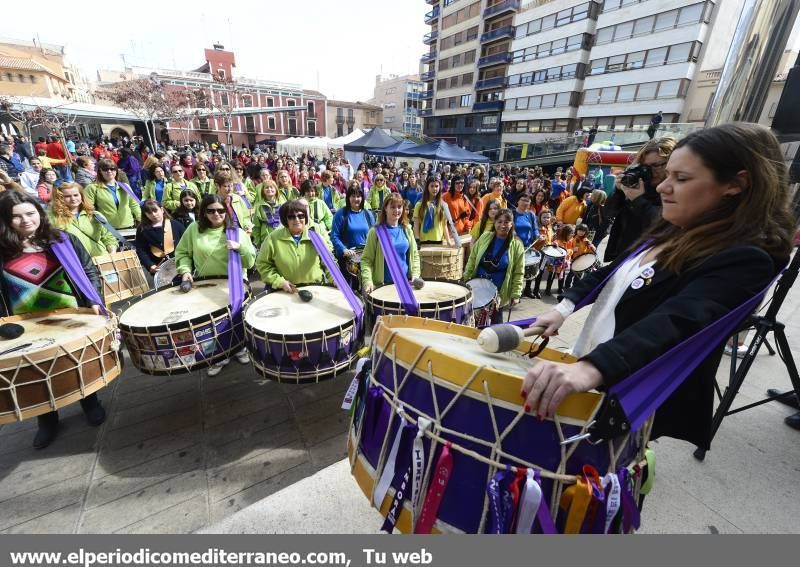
{"x":68,"y":258}
{"x":338,"y":278}
{"x":407,"y":298}
{"x":235,"y":281}
{"x":430,"y":508}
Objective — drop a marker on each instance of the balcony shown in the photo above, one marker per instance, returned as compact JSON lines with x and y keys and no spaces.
{"x":488,"y":105}
{"x":496,"y":59}
{"x":506,"y":32}
{"x":431,"y":2}
{"x":430,"y":37}
{"x":500,"y":8}
{"x":424,"y":95}
{"x":493,"y":83}
{"x":432,"y":16}
{"x":429,"y":76}
{"x":428,"y":57}
{"x":423,"y":112}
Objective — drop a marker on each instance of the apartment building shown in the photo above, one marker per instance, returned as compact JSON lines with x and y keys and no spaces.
{"x":345,"y":116}
{"x":399,"y":97}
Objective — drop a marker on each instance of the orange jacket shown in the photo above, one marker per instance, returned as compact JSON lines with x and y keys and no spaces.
{"x":570,"y":210}
{"x":582,"y":246}
{"x":460,"y":210}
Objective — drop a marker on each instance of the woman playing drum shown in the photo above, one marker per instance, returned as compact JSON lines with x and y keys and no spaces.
{"x":32,"y":279}
{"x":374,"y":271}
{"x":351,"y":223}
{"x":265,"y":215}
{"x":581,"y":247}
{"x":288,"y":257}
{"x":204,"y":249}
{"x":157,"y":235}
{"x":72,"y":214}
{"x":499,"y":256}
{"x":725,"y":205}
{"x":107,"y":197}
{"x":565,"y":241}
{"x":430,"y":224}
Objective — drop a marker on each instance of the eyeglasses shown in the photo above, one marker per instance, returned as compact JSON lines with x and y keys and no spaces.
{"x":108,"y":169}
{"x":201,"y":169}
{"x":177,"y":171}
{"x":297,"y":216}
{"x":225,"y":168}
{"x":215,"y":211}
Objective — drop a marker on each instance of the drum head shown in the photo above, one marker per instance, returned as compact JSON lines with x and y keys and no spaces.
{"x":171,"y":305}
{"x":552,"y":251}
{"x":282,"y":313}
{"x":532,"y":257}
{"x":483,"y":292}
{"x":51,"y":329}
{"x":435,"y":250}
{"x":584,"y":262}
{"x":433,"y":293}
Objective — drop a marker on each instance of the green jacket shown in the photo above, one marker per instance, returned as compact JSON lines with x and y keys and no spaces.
{"x":336,"y":197}
{"x":205,"y":254}
{"x":372,"y":261}
{"x":93,"y":235}
{"x":320,"y":213}
{"x":205,"y":187}
{"x":250,"y":190}
{"x":242,"y":212}
{"x":149,"y":191}
{"x":477,"y":226}
{"x":119,"y":216}
{"x":512,"y":284}
{"x":172,"y":194}
{"x":261,"y":230}
{"x":281,"y":259}
{"x":374,"y":197}
{"x":289,"y":194}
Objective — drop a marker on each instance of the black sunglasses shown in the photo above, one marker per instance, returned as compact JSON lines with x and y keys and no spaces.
{"x":215,"y":211}
{"x":297,"y":216}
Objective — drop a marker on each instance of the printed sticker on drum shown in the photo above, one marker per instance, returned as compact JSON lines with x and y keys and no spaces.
{"x":182,"y":337}
{"x":207,"y":348}
{"x":347,"y":336}
{"x":203,"y":333}
{"x":144,"y":342}
{"x":186,"y":350}
{"x":174,"y":316}
{"x":111,"y":277}
{"x":161,"y":340}
{"x":187,"y":360}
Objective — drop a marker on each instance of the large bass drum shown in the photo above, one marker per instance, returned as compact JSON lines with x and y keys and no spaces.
{"x":442,"y":300}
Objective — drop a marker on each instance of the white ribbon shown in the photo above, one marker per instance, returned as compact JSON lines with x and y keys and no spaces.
{"x":350,"y":395}
{"x":530,"y":500}
{"x":418,"y":462}
{"x":613,"y":499}
{"x":382,"y":488}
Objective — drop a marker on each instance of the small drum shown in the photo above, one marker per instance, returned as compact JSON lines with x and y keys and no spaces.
{"x":485,"y":300}
{"x":128,"y":233}
{"x":533,"y":261}
{"x":171,"y":332}
{"x":445,"y":301}
{"x":554,"y":258}
{"x":165,"y":274}
{"x":62,"y":357}
{"x":297,"y":342}
{"x":466,"y":244}
{"x":585,"y":263}
{"x":441,"y":262}
{"x":353,"y":273}
{"x":472,"y":400}
{"x":122,"y":275}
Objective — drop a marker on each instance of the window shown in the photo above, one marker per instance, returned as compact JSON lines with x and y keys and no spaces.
{"x":472,"y":33}
{"x":522,"y":103}
{"x":311,"y":109}
{"x":221,"y":74}
{"x":202,"y":123}
{"x":456,"y":60}
{"x":604,"y":35}
{"x":469,"y":57}
{"x":466,"y":79}
{"x":312,"y":128}
{"x":291,"y":103}
{"x":608,"y":95}
{"x":454,"y":81}
{"x":548,"y":100}
{"x":598,"y":66}
{"x":666,"y":20}
{"x":490,"y":120}
{"x":271,"y":123}
{"x":563,"y":99}
{"x":647,"y":91}
{"x":32,"y":78}
{"x":635,"y":60}
{"x":466,"y":100}
{"x":669,"y":89}
{"x":690,"y":14}
{"x":447,"y":123}
{"x":623,"y":31}
{"x":616,"y":63}
{"x":21,"y":77}
{"x":339,"y":131}
{"x":626,"y":93}
{"x":468,"y":122}
{"x":223,"y":99}
{"x":441,"y":84}
{"x":656,"y":56}
{"x":558,"y":46}
{"x":249,"y":123}
{"x":247,"y":101}
{"x":643,"y":25}
{"x":591,"y":96}
{"x":679,"y":53}
{"x":293,"y":126}
{"x":270,"y":101}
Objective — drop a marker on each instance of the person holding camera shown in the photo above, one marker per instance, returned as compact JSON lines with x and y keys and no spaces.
{"x":635,"y":205}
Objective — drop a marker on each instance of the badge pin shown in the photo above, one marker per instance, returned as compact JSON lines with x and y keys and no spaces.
{"x":637,"y":283}
{"x":648,"y":273}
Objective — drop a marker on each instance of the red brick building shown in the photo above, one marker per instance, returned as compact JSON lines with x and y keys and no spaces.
{"x":247,"y":128}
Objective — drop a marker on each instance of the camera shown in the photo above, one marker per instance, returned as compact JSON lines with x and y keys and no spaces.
{"x":631,"y":176}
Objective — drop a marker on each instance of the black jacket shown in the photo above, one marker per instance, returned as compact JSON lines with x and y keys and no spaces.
{"x":667,"y":310}
{"x":631,"y":219}
{"x":148,"y":236}
{"x":88,"y":267}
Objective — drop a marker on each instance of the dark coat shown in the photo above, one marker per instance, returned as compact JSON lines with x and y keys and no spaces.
{"x":88,"y":267}
{"x":631,"y":219}
{"x":148,"y":236}
{"x":669,"y":309}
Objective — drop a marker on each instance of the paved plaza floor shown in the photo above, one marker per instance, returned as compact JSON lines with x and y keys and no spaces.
{"x":233,"y":453}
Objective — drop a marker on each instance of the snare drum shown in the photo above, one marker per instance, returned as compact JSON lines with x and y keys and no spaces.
{"x":554,"y":258}
{"x":585,"y":263}
{"x":62,"y":357}
{"x":441,"y":262}
{"x":293,"y":341}
{"x":472,"y":400}
{"x":165,"y":274}
{"x":485,"y":300}
{"x":466,"y":244}
{"x":171,"y":332}
{"x":353,"y":269}
{"x":445,"y":301}
{"x":122,"y":275}
{"x":533,"y":262}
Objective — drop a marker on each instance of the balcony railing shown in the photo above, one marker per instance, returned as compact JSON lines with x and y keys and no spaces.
{"x":426,"y":94}
{"x":428,"y":57}
{"x":425,"y":112}
{"x":488,"y":105}
{"x":432,"y":16}
{"x":430,"y":37}
{"x":500,"y":33}
{"x":496,"y":59}
{"x":501,"y":8}
{"x":492,"y":83}
{"x":429,"y":76}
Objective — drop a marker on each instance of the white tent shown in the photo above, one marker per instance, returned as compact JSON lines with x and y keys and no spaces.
{"x":296,"y":146}
{"x":338,"y":143}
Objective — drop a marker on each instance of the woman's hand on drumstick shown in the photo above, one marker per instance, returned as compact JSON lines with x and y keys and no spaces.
{"x":548,"y":383}
{"x":288,"y":287}
{"x":96,"y":309}
{"x":348,"y":253}
{"x":366,"y":289}
{"x":515,"y":301}
{"x":233,"y":245}
{"x":187,"y":277}
{"x":551,"y":321}
{"x":153,"y":269}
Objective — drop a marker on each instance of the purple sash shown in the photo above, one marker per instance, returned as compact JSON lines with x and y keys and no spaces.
{"x":338,"y":278}
{"x":68,"y":257}
{"x":407,"y":299}
{"x":129,"y":191}
{"x":243,"y":195}
{"x":235,"y":282}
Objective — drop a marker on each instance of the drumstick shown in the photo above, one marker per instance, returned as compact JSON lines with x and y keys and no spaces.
{"x":505,"y":337}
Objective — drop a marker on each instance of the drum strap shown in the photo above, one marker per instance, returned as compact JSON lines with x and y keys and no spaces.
{"x":235,"y":281}
{"x":68,"y":258}
{"x":169,"y":244}
{"x":124,"y":244}
{"x":407,"y":298}
{"x":338,"y":278}
{"x":129,"y":191}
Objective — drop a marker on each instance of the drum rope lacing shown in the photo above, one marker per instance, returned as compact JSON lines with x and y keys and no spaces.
{"x":436,"y":430}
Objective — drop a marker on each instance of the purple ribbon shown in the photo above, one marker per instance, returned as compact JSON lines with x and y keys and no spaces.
{"x":235,"y":282}
{"x":243,"y":195}
{"x":407,"y":298}
{"x":129,"y":191}
{"x":376,"y":420}
{"x":631,"y":518}
{"x":68,"y":258}
{"x":402,"y":475}
{"x":501,"y":502}
{"x":543,"y":514}
{"x":338,"y":278}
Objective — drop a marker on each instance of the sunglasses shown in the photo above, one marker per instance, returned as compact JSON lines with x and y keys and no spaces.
{"x":108,"y":169}
{"x":298,"y":216}
{"x":225,"y":168}
{"x":177,"y":171}
{"x":215,"y":211}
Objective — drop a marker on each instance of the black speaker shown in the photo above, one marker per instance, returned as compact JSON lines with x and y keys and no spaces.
{"x":787,"y":116}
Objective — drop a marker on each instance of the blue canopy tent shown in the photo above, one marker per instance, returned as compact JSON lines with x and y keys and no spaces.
{"x":394,"y":148}
{"x":374,"y":139}
{"x":443,"y":151}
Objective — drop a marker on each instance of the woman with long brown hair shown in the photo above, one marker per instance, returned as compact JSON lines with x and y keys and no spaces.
{"x":724,"y":233}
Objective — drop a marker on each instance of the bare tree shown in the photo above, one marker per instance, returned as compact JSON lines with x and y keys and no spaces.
{"x":226,"y":101}
{"x":55,"y":119}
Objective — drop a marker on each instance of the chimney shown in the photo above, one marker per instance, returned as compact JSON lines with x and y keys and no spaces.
{"x":219,"y":47}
